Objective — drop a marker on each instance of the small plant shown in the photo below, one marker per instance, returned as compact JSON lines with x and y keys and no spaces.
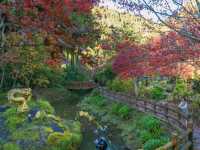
{"x":11,"y":146}
{"x":43,"y":105}
{"x":145,"y":136}
{"x":151,"y":124}
{"x":120,"y":85}
{"x":73,"y":73}
{"x":97,"y":100}
{"x":152,"y":144}
{"x":106,"y":75}
{"x":181,"y":90}
{"x":122,"y":110}
{"x":157,"y":93}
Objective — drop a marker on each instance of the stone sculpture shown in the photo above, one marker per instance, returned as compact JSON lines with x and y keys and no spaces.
{"x":20,"y":97}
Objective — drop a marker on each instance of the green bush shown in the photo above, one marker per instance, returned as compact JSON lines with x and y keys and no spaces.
{"x":119,"y":85}
{"x":97,"y":100}
{"x":13,"y":118}
{"x":196,"y":85}
{"x":151,"y":124}
{"x":73,"y":73}
{"x":152,"y":144}
{"x":42,"y":105}
{"x":157,"y":93}
{"x":105,"y":75}
{"x":47,"y":77}
{"x":145,"y":136}
{"x":121,"y":110}
{"x":181,"y":90}
{"x":11,"y":146}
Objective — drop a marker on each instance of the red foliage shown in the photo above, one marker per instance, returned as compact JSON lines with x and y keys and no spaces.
{"x":169,"y":55}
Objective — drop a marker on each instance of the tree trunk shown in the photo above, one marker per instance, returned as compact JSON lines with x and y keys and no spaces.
{"x":2,"y":78}
{"x":135,"y":85}
{"x":198,"y":7}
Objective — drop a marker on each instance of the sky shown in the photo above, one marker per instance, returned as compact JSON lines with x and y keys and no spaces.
{"x":146,"y":13}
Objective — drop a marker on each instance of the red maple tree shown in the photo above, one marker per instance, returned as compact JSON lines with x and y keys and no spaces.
{"x":168,"y":55}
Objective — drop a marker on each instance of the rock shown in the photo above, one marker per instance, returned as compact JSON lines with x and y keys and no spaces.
{"x":55,"y":127}
{"x":3,"y":108}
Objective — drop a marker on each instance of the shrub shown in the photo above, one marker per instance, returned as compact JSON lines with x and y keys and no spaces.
{"x":119,"y":85}
{"x":97,"y":100}
{"x":121,"y":110}
{"x":13,"y":118}
{"x":181,"y":90}
{"x":48,"y":77}
{"x":42,"y":105}
{"x":157,"y":93}
{"x":73,"y":73}
{"x":152,"y":144}
{"x":151,"y":124}
{"x":105,"y":75}
{"x":11,"y":146}
{"x":145,"y":136}
{"x":196,"y":85}
{"x":24,"y":134}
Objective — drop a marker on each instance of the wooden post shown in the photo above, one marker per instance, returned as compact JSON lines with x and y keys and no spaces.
{"x":190,"y":134}
{"x":179,"y":116}
{"x":166,"y":111}
{"x":145,"y":106}
{"x":174,"y":141}
{"x":154,"y":108}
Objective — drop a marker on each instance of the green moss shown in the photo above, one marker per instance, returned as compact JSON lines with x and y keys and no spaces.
{"x":42,"y":105}
{"x":22,"y":130}
{"x":11,"y":146}
{"x":25,"y":134}
{"x":61,"y":140}
{"x":13,"y":118}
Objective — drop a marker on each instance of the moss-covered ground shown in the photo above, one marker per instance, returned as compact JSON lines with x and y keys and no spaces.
{"x":43,"y":131}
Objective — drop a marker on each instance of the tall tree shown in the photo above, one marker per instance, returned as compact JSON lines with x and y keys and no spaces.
{"x":178,"y":15}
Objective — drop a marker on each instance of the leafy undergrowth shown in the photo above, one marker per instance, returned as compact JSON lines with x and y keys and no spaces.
{"x":45,"y":131}
{"x":137,"y":130}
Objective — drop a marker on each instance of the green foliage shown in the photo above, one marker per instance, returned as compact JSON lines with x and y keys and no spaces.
{"x":152,"y":144}
{"x":119,"y":85}
{"x":125,"y":25}
{"x":105,"y":75}
{"x":26,"y":63}
{"x":157,"y":93}
{"x":22,"y":130}
{"x":42,"y":105}
{"x":121,"y":110}
{"x":150,"y":133}
{"x":48,"y":77}
{"x":74,"y":73}
{"x":69,"y":140}
{"x":11,"y":146}
{"x":97,"y":100}
{"x":13,"y":118}
{"x":156,"y":89}
{"x":151,"y":124}
{"x":196,"y":85}
{"x":180,"y":90}
{"x":24,"y":134}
